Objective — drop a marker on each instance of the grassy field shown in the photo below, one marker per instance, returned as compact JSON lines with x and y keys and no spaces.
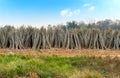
{"x":17,"y":65}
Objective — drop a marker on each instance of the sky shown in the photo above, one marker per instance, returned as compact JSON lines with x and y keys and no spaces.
{"x":44,"y":12}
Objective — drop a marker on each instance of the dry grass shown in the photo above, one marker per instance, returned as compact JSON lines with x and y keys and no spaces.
{"x":63,"y":52}
{"x":89,"y":52}
{"x":86,"y":74}
{"x":30,"y":75}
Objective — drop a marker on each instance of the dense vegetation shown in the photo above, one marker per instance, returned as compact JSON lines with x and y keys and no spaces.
{"x":100,"y":35}
{"x":24,"y":66}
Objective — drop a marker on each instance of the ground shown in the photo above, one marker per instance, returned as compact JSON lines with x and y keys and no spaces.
{"x":59,"y":63}
{"x":63,"y":52}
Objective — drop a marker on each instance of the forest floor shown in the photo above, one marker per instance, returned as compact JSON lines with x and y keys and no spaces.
{"x":63,"y":52}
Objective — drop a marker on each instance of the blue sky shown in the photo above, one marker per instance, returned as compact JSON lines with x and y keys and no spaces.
{"x":43,"y":12}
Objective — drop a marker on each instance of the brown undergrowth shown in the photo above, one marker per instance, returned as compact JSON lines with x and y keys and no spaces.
{"x":63,"y":52}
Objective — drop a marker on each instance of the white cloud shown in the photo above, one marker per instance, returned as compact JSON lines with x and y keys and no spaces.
{"x":89,"y":6}
{"x":69,"y":13}
{"x":86,"y":5}
{"x":76,"y":12}
{"x":92,"y":8}
{"x":66,"y":12}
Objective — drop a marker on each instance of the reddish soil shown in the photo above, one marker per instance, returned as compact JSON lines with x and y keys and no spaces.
{"x":62,"y":52}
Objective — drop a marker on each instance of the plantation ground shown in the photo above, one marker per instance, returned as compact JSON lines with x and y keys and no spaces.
{"x":59,"y":63}
{"x":63,"y":52}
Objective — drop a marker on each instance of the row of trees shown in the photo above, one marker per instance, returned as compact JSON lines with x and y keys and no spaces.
{"x":100,"y":24}
{"x":68,"y":36}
